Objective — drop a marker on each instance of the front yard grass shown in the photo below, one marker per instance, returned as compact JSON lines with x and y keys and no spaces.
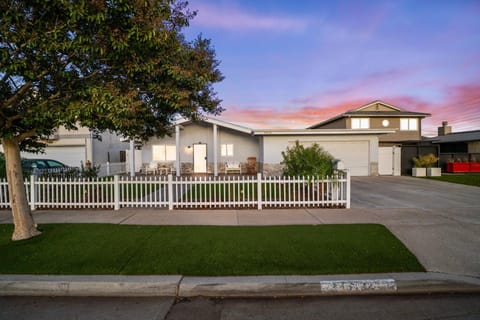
{"x":468,"y":179}
{"x":206,"y":250}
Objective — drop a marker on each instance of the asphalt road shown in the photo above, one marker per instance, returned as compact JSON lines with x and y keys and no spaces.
{"x":402,"y":307}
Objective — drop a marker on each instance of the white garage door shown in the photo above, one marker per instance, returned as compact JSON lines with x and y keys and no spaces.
{"x":353,"y":154}
{"x":71,"y":156}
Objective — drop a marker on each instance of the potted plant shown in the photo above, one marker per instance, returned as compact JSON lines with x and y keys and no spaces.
{"x":423,"y":166}
{"x":458,"y":166}
{"x":474,"y":165}
{"x":418,"y":169}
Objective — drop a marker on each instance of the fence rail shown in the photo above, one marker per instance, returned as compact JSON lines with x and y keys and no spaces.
{"x":185,"y":192}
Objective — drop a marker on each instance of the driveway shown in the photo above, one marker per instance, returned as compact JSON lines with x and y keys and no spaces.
{"x":438,"y":221}
{"x":408,"y":192}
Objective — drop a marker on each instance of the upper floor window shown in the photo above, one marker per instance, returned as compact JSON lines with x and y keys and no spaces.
{"x":410,"y":124}
{"x":360,"y":123}
{"x":227,"y":150}
{"x":162,"y":152}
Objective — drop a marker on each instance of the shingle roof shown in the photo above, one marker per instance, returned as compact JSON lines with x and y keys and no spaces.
{"x":466,"y":136}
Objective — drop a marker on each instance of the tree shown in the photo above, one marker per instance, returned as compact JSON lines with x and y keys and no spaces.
{"x":116,"y":65}
{"x":312,"y":161}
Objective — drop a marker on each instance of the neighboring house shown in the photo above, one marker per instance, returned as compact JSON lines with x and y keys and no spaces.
{"x":406,"y":127}
{"x":456,"y":146}
{"x":73,"y":147}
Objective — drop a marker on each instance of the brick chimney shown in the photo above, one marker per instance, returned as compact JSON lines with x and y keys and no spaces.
{"x":444,"y":129}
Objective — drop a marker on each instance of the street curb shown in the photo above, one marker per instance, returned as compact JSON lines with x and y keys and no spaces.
{"x":108,"y":286}
{"x":245,"y":286}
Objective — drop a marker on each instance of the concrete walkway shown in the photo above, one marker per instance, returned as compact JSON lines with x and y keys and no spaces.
{"x":439,"y":222}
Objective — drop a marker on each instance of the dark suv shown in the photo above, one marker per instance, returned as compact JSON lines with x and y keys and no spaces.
{"x":34,"y":166}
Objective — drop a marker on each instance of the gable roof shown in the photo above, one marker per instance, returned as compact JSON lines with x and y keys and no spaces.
{"x":218,"y":122}
{"x":363,"y":112}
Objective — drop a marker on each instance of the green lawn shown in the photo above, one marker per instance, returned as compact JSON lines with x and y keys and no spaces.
{"x":205,"y":250}
{"x":468,"y":179}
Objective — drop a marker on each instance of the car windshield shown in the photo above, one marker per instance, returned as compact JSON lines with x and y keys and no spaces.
{"x":55,"y":164}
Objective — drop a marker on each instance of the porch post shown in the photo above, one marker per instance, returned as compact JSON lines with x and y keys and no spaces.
{"x":177,"y":146}
{"x":215,"y":150}
{"x":132,"y":158}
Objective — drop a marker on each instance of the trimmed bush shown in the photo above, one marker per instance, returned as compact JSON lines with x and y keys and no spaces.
{"x":307,"y":161}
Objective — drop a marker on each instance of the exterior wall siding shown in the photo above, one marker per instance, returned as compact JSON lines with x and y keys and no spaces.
{"x":244,"y":145}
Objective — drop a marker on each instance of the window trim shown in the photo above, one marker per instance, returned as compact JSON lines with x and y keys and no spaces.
{"x":226,"y":150}
{"x":164,"y":151}
{"x":408,"y":124}
{"x":363,"y":123}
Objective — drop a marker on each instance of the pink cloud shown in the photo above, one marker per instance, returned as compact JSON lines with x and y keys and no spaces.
{"x":233,"y":18}
{"x":460,"y":107}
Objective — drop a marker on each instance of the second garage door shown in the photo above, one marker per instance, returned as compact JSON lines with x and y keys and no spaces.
{"x":354,"y":155}
{"x":71,"y":155}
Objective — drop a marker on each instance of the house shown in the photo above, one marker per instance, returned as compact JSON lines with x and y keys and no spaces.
{"x":368,"y":141}
{"x":406,"y":129}
{"x":74,"y":147}
{"x":456,"y":146}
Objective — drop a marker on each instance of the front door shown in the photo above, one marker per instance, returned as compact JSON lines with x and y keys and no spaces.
{"x":200,"y":158}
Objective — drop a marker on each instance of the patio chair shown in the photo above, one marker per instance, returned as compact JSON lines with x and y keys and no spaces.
{"x":152,"y":168}
{"x":233,"y":166}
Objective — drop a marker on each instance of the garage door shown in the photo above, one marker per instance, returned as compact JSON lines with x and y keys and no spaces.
{"x":71,"y":156}
{"x":353,"y":154}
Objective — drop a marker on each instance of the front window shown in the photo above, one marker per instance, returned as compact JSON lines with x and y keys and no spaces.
{"x":409,"y":124}
{"x":227,"y":150}
{"x":360,"y":123}
{"x":163,"y":152}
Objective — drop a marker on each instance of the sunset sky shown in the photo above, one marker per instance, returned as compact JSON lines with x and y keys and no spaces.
{"x":290,"y":64}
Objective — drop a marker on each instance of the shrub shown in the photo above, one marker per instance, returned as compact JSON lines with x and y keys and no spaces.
{"x":425,"y":161}
{"x":310,"y":161}
{"x":3,"y":172}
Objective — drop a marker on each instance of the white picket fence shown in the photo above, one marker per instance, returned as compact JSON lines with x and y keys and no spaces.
{"x":185,"y":192}
{"x":111,"y":168}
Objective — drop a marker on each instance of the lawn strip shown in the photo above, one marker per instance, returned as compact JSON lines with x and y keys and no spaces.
{"x":467,"y":179}
{"x":206,"y":250}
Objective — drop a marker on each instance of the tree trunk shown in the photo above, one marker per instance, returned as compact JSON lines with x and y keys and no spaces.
{"x":22,"y":216}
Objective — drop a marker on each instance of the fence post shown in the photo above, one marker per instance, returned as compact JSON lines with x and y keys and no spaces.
{"x":170,"y":192}
{"x":348,"y":189}
{"x":32,"y":192}
{"x":259,"y":191}
{"x":116,"y":193}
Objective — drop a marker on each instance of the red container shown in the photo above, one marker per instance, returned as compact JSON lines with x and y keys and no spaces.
{"x":474,"y":166}
{"x":458,"y":167}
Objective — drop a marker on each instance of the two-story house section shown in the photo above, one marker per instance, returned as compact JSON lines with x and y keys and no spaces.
{"x":380,"y":115}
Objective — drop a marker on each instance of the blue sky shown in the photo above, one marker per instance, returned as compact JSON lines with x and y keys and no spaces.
{"x":291,"y":64}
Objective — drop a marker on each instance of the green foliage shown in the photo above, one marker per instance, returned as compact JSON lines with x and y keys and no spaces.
{"x":123,"y":66}
{"x":3,"y":173}
{"x":206,"y":250}
{"x":425,"y":161}
{"x":310,"y":161}
{"x":471,"y":179}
